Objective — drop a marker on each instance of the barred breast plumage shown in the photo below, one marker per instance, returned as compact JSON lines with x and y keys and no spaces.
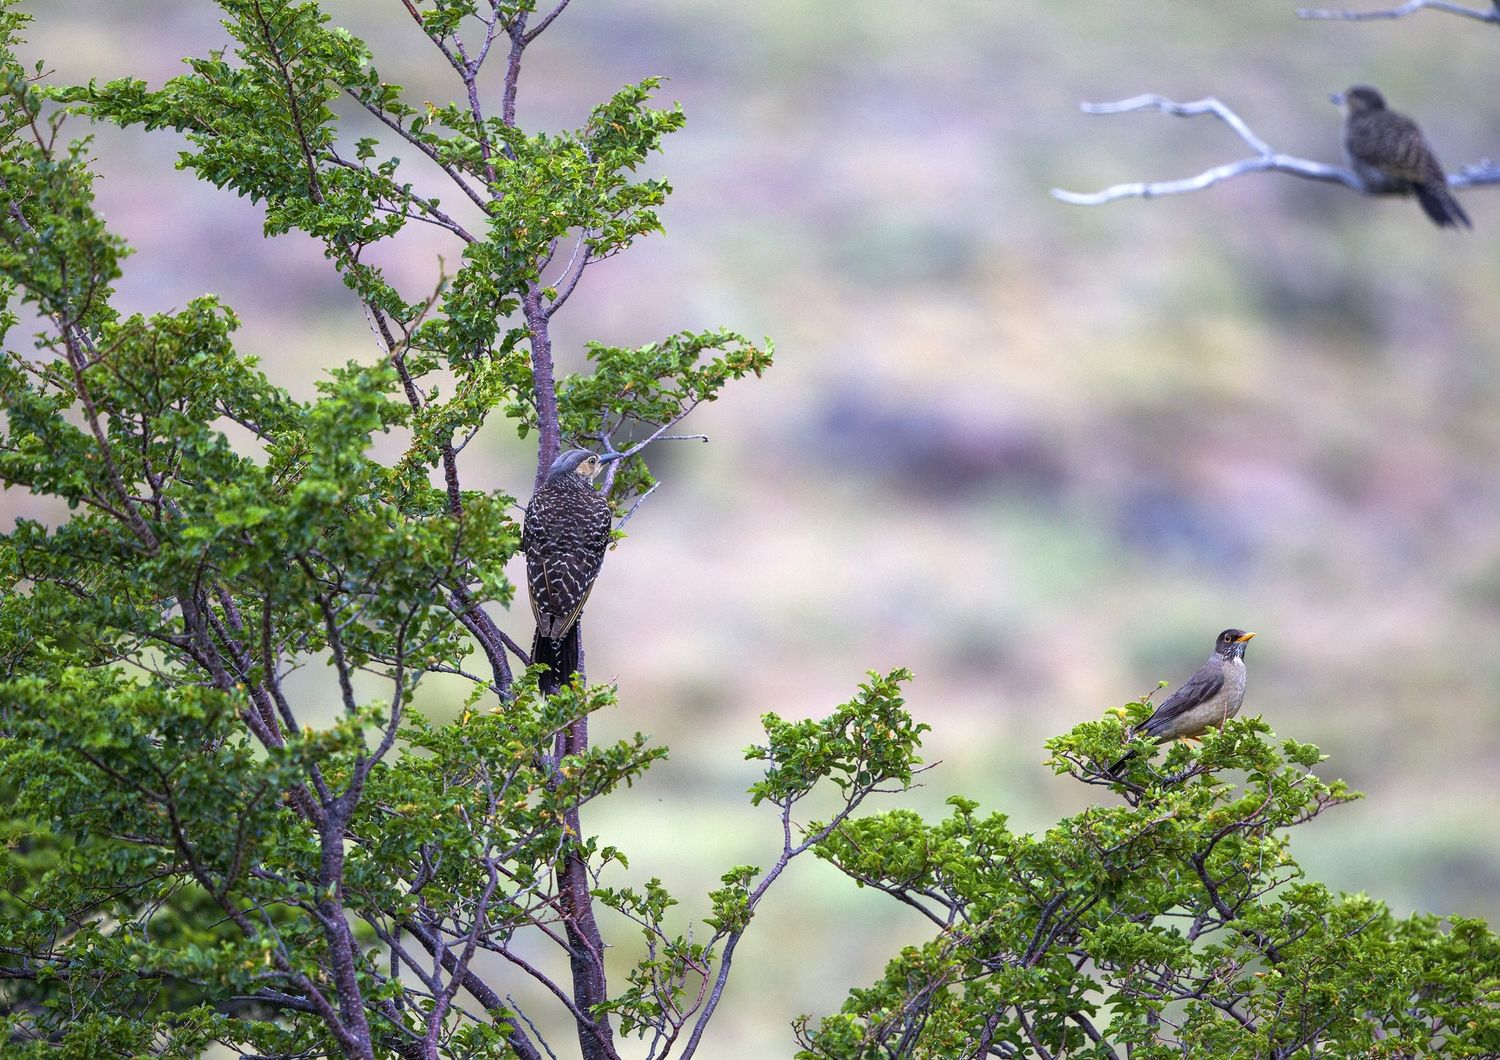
{"x":565,"y":535}
{"x":1388,"y":152}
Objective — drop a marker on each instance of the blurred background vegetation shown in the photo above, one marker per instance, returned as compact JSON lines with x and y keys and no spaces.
{"x":1040,"y":454}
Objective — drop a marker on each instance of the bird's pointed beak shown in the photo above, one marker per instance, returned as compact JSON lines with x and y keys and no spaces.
{"x":1241,"y":640}
{"x":1336,"y":98}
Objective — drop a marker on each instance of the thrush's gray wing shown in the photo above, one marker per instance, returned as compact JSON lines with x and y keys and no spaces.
{"x":1194,"y":692}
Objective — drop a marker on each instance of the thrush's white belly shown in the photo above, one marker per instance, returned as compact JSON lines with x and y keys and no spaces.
{"x":1214,"y":711}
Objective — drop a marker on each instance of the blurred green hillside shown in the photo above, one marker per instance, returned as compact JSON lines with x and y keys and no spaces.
{"x":1040,"y":454}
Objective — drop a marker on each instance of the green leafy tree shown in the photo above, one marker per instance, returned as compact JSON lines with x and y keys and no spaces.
{"x":196,"y":851}
{"x":1177,"y":924}
{"x":199,"y":851}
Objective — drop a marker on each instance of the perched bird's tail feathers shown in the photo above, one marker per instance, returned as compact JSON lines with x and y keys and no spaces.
{"x":559,"y":655}
{"x":1114,"y":770}
{"x":1130,"y":734}
{"x":1440,"y":205}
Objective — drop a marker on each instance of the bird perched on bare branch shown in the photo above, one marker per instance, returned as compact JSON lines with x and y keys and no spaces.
{"x":564,"y":536}
{"x":1389,"y":153}
{"x":1206,"y":700}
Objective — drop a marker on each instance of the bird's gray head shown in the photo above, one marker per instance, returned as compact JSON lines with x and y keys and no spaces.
{"x":1231,"y":643}
{"x":579,"y":462}
{"x":1359,"y":99}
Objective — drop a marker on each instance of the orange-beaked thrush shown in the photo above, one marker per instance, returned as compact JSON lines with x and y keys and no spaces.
{"x":1206,"y":700}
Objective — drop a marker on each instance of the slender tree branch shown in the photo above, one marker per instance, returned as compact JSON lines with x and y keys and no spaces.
{"x":517,"y":31}
{"x":453,"y":60}
{"x":492,"y":641}
{"x":556,"y":991}
{"x":638,"y":501}
{"x":544,"y":23}
{"x":613,"y":455}
{"x":461,"y":965}
{"x":543,"y":383}
{"x":427,"y":149}
{"x":1094,"y":1035}
{"x":354,"y":1042}
{"x":493,"y":1003}
{"x":1411,"y":7}
{"x":789,"y":850}
{"x":427,"y":211}
{"x":1036,"y":1043}
{"x":535,"y":1032}
{"x":572,"y":273}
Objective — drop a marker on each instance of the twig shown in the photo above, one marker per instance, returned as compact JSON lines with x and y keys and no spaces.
{"x":1476,"y":174}
{"x":1411,"y":7}
{"x":571,"y":274}
{"x":535,"y":1033}
{"x":421,"y":145}
{"x":1264,"y":159}
{"x":428,"y":210}
{"x":626,"y":517}
{"x":612,"y":457}
{"x":537,"y":32}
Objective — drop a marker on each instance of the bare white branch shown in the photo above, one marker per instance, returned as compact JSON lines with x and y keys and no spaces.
{"x":1411,"y":7}
{"x":1485,"y":171}
{"x":1264,"y":159}
{"x":612,"y":457}
{"x":626,"y":517}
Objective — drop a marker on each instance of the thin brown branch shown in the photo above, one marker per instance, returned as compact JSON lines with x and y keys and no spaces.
{"x":517,"y":32}
{"x":427,"y":210}
{"x":492,"y":1002}
{"x":572,"y":273}
{"x":422,"y":146}
{"x":543,"y":382}
{"x":638,"y":501}
{"x":544,"y":23}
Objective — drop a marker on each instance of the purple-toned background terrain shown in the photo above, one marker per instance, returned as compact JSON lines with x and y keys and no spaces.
{"x":1039,"y":454}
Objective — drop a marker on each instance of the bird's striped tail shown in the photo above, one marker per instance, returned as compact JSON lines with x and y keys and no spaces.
{"x":559,"y":655}
{"x":1439,"y":204}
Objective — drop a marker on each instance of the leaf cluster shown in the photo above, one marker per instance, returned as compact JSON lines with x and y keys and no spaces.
{"x":1177,"y":923}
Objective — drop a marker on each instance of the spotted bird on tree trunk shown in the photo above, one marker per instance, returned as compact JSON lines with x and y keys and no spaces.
{"x":564,"y":535}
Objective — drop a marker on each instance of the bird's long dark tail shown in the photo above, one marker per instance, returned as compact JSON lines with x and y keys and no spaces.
{"x":1143,"y":730}
{"x":559,"y":655}
{"x":1114,"y":770}
{"x":1440,"y":205}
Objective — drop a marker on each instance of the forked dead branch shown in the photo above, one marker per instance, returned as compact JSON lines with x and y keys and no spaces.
{"x":1264,"y":158}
